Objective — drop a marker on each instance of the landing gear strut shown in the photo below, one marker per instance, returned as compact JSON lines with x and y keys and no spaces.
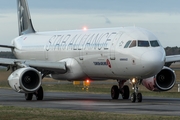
{"x":122,"y":89}
{"x":136,"y":95}
{"x":39,"y":94}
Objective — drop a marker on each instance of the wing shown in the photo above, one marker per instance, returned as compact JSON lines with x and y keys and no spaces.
{"x":172,"y":58}
{"x":59,"y":67}
{"x":7,"y":46}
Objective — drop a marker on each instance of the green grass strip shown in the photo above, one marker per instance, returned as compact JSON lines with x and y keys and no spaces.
{"x":19,"y":113}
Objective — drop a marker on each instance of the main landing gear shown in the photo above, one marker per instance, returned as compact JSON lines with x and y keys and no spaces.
{"x":39,"y":94}
{"x":122,"y":89}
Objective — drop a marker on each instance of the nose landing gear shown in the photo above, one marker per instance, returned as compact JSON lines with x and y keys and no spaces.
{"x":136,"y":95}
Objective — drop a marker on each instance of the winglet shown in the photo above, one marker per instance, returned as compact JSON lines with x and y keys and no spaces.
{"x":24,"y":19}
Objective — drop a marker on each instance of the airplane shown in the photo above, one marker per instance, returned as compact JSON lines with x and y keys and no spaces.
{"x":124,"y":54}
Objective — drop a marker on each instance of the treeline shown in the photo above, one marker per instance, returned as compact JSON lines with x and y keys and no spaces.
{"x":7,"y":55}
{"x":172,"y":50}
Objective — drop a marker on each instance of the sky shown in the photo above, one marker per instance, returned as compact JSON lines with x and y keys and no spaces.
{"x":161,"y":17}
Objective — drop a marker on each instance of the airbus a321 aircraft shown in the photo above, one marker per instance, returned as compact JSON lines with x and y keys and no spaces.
{"x":123,"y":54}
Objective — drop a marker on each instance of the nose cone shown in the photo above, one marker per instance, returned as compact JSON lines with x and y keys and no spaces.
{"x":152,"y":62}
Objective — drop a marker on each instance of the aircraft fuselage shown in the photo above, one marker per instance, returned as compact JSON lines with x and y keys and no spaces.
{"x":96,"y":54}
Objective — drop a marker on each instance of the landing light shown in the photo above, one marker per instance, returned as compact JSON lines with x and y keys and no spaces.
{"x":133,"y":80}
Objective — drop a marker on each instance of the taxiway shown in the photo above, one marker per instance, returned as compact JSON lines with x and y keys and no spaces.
{"x":93,"y":102}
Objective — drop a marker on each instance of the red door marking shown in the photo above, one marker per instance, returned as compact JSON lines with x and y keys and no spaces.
{"x":108,"y":63}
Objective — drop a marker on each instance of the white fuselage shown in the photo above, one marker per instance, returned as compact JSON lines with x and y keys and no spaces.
{"x":96,"y":54}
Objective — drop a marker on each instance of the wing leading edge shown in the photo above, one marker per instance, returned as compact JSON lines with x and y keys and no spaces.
{"x":172,"y":58}
{"x":7,"y":46}
{"x":59,"y":67}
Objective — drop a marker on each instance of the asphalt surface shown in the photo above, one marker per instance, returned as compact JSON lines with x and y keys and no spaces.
{"x":93,"y":102}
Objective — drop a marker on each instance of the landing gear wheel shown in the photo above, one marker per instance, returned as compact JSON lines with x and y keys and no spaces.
{"x":139,"y":97}
{"x":28,"y":96}
{"x":133,"y":97}
{"x":39,"y":94}
{"x":125,"y":92}
{"x":114,"y":92}
{"x":136,"y":95}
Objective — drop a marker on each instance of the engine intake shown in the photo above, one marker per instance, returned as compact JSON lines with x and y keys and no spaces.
{"x":163,"y":81}
{"x":25,"y":80}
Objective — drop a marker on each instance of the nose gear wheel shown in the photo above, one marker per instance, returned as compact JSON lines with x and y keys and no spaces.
{"x":136,"y":95}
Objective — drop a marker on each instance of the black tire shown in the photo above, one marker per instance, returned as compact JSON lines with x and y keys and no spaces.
{"x":125,"y":92}
{"x":133,"y":97}
{"x":139,"y":97}
{"x":28,"y":96}
{"x":39,"y":94}
{"x":114,"y":92}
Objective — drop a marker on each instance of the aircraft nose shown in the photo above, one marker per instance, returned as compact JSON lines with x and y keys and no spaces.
{"x":152,"y":62}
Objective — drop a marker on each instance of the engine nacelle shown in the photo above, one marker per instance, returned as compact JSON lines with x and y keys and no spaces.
{"x":163,"y":81}
{"x":25,"y":80}
{"x":74,"y":71}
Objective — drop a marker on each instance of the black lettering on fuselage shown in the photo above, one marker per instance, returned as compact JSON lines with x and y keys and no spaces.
{"x":75,"y":45}
{"x":109,"y":39}
{"x":64,"y":42}
{"x":50,"y":42}
{"x":57,"y":41}
{"x":94,"y":41}
{"x":83,"y":41}
{"x":102,"y":40}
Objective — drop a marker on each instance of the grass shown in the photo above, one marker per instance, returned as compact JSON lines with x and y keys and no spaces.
{"x":19,"y":113}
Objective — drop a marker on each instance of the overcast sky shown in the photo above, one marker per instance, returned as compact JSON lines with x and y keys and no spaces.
{"x":162,"y":17}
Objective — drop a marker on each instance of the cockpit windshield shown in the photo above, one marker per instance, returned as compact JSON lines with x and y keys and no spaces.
{"x":154,"y":43}
{"x":133,"y":44}
{"x":127,"y":44}
{"x":141,"y":43}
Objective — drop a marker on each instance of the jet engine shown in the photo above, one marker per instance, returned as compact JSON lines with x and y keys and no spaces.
{"x":25,"y":80}
{"x":163,"y":81}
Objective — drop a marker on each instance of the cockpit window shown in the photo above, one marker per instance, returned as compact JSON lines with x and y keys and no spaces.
{"x":142,"y":43}
{"x":127,"y":44}
{"x":133,"y":44}
{"x":154,"y":43}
